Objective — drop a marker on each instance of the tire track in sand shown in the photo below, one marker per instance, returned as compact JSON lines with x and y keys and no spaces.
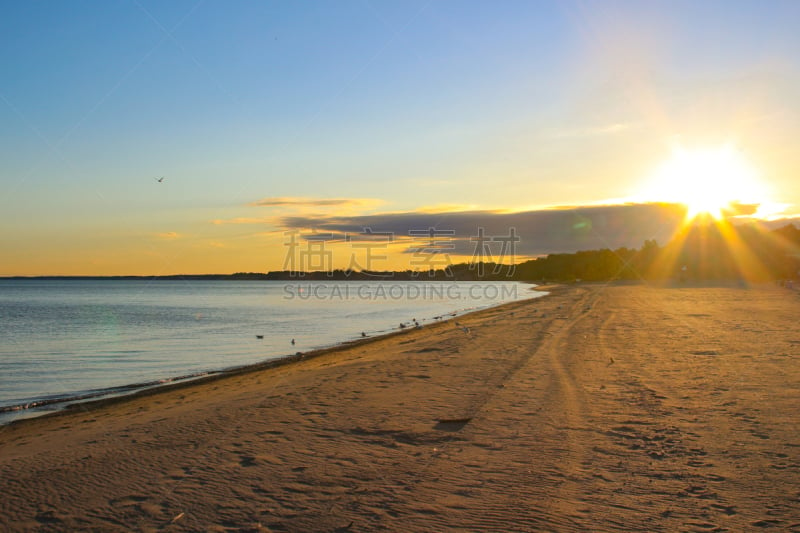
{"x":500,"y":475}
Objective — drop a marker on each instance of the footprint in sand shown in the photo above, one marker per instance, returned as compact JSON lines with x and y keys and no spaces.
{"x":700,"y":492}
{"x":126,"y":501}
{"x":766,"y":523}
{"x":762,"y":436}
{"x":247,"y":460}
{"x":49,"y":517}
{"x":703,"y":526}
{"x":729,"y":510}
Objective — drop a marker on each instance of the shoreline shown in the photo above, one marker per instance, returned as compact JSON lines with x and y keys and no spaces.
{"x":87,"y":400}
{"x":210,"y":377}
{"x":598,"y":407}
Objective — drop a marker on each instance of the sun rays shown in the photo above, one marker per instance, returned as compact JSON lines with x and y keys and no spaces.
{"x":720,"y":238}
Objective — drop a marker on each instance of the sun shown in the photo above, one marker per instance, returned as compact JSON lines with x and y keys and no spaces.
{"x":707,"y":181}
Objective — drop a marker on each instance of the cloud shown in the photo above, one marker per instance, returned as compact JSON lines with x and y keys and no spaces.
{"x":780,"y":222}
{"x":244,"y":220}
{"x":297,"y":204}
{"x":296,"y":201}
{"x":542,"y":231}
{"x":444,"y":208}
{"x":738,"y":209}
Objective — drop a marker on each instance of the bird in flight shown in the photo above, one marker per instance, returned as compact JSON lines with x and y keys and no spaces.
{"x":160,"y":179}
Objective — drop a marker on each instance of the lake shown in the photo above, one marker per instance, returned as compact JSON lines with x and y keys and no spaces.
{"x":69,"y":340}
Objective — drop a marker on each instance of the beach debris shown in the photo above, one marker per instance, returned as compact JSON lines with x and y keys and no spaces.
{"x":177,"y":517}
{"x":465,"y":329}
{"x":705,"y":352}
{"x":452,"y":425}
{"x":363,"y":334}
{"x":402,"y":326}
{"x":610,"y":361}
{"x":259,"y":336}
{"x":292,"y":342}
{"x":463,"y":420}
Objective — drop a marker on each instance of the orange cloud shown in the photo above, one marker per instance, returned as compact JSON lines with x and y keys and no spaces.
{"x":243,"y":220}
{"x":169,"y":235}
{"x":299,"y":201}
{"x":300,"y":204}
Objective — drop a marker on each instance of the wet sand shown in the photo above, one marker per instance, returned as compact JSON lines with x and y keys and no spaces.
{"x":601,"y":408}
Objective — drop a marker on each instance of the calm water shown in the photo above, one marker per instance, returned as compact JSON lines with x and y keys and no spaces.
{"x":66,"y":339}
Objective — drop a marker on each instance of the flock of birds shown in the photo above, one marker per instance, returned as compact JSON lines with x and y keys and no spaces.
{"x":403,"y":325}
{"x":417,"y":325}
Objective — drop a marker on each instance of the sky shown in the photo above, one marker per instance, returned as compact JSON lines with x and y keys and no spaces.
{"x":291,"y":128}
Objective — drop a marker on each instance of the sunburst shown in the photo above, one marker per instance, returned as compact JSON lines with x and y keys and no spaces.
{"x":707,"y":181}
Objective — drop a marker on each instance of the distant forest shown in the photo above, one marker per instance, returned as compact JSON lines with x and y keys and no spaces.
{"x":715,"y":251}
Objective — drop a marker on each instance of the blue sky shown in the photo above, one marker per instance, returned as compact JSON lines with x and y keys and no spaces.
{"x":395,"y":106}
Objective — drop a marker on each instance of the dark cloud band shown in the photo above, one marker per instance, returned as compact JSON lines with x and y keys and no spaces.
{"x":539,"y":232}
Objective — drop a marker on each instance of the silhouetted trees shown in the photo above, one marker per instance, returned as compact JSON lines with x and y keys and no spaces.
{"x":712,"y":251}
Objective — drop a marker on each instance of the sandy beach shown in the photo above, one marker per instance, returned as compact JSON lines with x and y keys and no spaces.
{"x":596,"y":408}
